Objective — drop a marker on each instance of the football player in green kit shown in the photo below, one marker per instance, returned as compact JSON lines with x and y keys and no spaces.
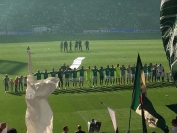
{"x":101,"y":73}
{"x":112,"y":69}
{"x":133,"y":70}
{"x":94,"y":72}
{"x":107,"y":72}
{"x":38,"y":75}
{"x":149,"y":72}
{"x":45,"y":73}
{"x":122,"y":70}
{"x":74,"y":77}
{"x":53,"y":73}
{"x":67,"y":73}
{"x":81,"y":78}
{"x":117,"y":73}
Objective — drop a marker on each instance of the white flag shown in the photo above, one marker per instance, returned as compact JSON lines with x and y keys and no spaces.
{"x":39,"y":115}
{"x":113,"y":118}
{"x":77,"y":62}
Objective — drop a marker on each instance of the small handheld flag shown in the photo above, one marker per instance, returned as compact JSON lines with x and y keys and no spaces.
{"x":113,"y":117}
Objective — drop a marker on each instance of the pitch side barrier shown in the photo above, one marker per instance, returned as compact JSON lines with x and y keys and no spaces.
{"x":18,"y":32}
{"x":43,"y":31}
{"x":122,"y":31}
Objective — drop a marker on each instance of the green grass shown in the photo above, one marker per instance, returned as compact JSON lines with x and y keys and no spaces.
{"x":76,"y":106}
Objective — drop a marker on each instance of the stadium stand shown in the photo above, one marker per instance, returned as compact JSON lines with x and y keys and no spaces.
{"x":79,"y":14}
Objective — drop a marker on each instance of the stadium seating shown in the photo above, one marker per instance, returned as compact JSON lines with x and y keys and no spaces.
{"x":79,"y":14}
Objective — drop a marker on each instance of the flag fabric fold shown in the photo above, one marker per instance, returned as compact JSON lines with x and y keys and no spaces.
{"x":168,"y":26}
{"x":140,"y":102}
{"x":172,"y":107}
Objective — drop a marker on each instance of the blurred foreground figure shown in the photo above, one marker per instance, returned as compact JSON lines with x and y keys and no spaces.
{"x":39,"y":115}
{"x":168,"y":26}
{"x":3,"y":127}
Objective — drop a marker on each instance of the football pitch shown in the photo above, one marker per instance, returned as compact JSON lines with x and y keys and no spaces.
{"x":78,"y":106}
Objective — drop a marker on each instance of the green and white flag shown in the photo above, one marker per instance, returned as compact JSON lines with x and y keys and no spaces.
{"x":168,"y":26}
{"x":140,"y":99}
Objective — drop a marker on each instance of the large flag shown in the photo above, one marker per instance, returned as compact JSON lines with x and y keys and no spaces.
{"x":173,"y":107}
{"x":39,"y":115}
{"x":168,"y":26}
{"x":139,"y":98}
{"x":137,"y":102}
{"x":113,"y":118}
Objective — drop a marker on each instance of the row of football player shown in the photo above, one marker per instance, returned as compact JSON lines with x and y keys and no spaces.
{"x":113,"y":74}
{"x":77,"y":46}
{"x":21,"y":82}
{"x":112,"y":71}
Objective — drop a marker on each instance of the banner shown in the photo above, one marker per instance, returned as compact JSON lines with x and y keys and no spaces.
{"x":45,"y":29}
{"x":122,"y":31}
{"x":77,"y":62}
{"x":18,"y":32}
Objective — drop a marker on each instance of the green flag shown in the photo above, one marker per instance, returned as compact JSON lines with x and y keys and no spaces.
{"x":140,"y":100}
{"x":137,"y":102}
{"x":172,"y":107}
{"x":168,"y":26}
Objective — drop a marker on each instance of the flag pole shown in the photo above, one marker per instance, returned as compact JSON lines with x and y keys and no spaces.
{"x":144,"y":128}
{"x":29,"y":63}
{"x":104,"y":104}
{"x":130,"y":115}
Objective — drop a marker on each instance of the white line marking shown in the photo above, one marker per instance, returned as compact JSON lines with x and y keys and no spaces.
{"x":82,"y":116}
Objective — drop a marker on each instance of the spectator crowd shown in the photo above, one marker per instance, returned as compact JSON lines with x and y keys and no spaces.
{"x":79,"y":14}
{"x":3,"y":126}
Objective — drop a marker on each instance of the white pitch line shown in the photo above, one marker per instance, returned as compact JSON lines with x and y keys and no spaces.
{"x":106,"y":109}
{"x":82,"y":116}
{"x":128,"y":109}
